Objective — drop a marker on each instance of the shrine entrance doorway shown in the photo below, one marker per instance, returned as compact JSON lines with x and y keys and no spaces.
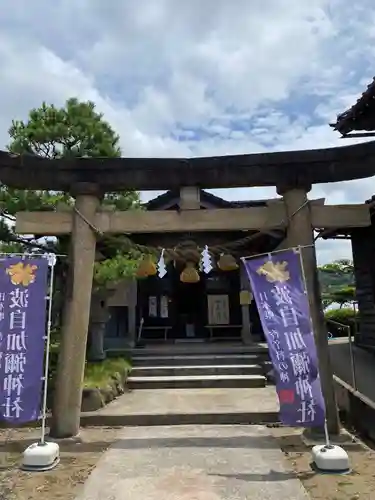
{"x":189,"y":308}
{"x":171,"y":310}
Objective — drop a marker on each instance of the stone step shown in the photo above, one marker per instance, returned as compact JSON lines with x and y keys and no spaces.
{"x":195,"y":360}
{"x":190,"y":349}
{"x":199,"y":406}
{"x":255,"y":417}
{"x":199,"y":370}
{"x":196,"y":349}
{"x":191,"y":382}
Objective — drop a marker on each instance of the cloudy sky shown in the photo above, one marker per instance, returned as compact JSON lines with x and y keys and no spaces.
{"x":197,"y":77}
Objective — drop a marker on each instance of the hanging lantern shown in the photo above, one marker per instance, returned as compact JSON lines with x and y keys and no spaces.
{"x":141,"y":274}
{"x":190,"y":274}
{"x":146,"y":267}
{"x":227,"y":263}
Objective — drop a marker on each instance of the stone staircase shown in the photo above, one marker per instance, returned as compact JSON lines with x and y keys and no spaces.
{"x":190,"y":369}
{"x":193,"y":385}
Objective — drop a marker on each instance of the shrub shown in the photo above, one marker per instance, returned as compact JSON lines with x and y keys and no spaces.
{"x":344,"y":316}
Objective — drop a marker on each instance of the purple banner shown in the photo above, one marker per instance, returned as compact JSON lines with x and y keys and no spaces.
{"x":280,"y":294}
{"x":23,"y":283}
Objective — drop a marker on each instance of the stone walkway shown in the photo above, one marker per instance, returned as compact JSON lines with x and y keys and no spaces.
{"x":174,"y":446}
{"x":189,"y":406}
{"x":154,"y":460}
{"x":193,"y":463}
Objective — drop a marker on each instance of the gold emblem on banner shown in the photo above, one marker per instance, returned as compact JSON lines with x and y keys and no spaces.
{"x":274,"y":271}
{"x":21,"y":274}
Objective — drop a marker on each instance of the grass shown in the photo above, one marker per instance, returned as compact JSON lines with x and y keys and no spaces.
{"x":100,"y":374}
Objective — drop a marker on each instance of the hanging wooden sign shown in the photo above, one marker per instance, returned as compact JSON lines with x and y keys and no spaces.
{"x":218,"y":309}
{"x":164,"y":306}
{"x":152,"y":307}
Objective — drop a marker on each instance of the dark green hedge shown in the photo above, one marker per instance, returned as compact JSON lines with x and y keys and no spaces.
{"x":345,"y":316}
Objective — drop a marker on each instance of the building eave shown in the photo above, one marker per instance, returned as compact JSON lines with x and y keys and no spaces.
{"x":361,"y":116}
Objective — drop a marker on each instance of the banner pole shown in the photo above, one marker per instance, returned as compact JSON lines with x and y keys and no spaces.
{"x":31,"y":254}
{"x":303,"y":275}
{"x":326,"y":433}
{"x":51,"y":263}
{"x":352,"y":358}
{"x":328,"y":458}
{"x":248,"y":257}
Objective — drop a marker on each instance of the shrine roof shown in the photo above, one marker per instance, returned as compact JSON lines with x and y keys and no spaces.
{"x":371,"y":202}
{"x":289,"y":168}
{"x":361,"y":116}
{"x":167,"y":199}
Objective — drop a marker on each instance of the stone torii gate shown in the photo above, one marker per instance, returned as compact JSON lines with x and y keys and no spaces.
{"x":87,"y":180}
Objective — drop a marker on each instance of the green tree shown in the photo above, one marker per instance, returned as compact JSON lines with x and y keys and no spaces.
{"x":341,"y":267}
{"x":75,"y":130}
{"x":337,"y":283}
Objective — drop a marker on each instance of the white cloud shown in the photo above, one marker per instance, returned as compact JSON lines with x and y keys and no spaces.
{"x":196,"y":78}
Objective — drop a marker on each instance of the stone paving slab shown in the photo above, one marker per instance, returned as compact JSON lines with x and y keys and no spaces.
{"x":193,"y":463}
{"x":201,"y":406}
{"x":215,"y":400}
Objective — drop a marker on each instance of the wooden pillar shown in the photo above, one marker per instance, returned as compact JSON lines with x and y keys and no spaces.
{"x":132,"y":312}
{"x":245,"y":312}
{"x":99,"y":316}
{"x":300,"y":232}
{"x":72,"y":356}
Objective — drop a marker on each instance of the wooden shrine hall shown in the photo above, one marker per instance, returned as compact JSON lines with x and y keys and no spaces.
{"x":215,"y":306}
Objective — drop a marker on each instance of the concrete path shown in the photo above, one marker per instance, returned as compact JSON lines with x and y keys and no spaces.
{"x":193,"y":463}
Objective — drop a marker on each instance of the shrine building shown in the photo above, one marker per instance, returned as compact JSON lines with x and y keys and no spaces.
{"x":217,"y":306}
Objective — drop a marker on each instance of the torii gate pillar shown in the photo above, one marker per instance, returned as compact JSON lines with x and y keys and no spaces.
{"x":300,"y":233}
{"x":72,"y":355}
